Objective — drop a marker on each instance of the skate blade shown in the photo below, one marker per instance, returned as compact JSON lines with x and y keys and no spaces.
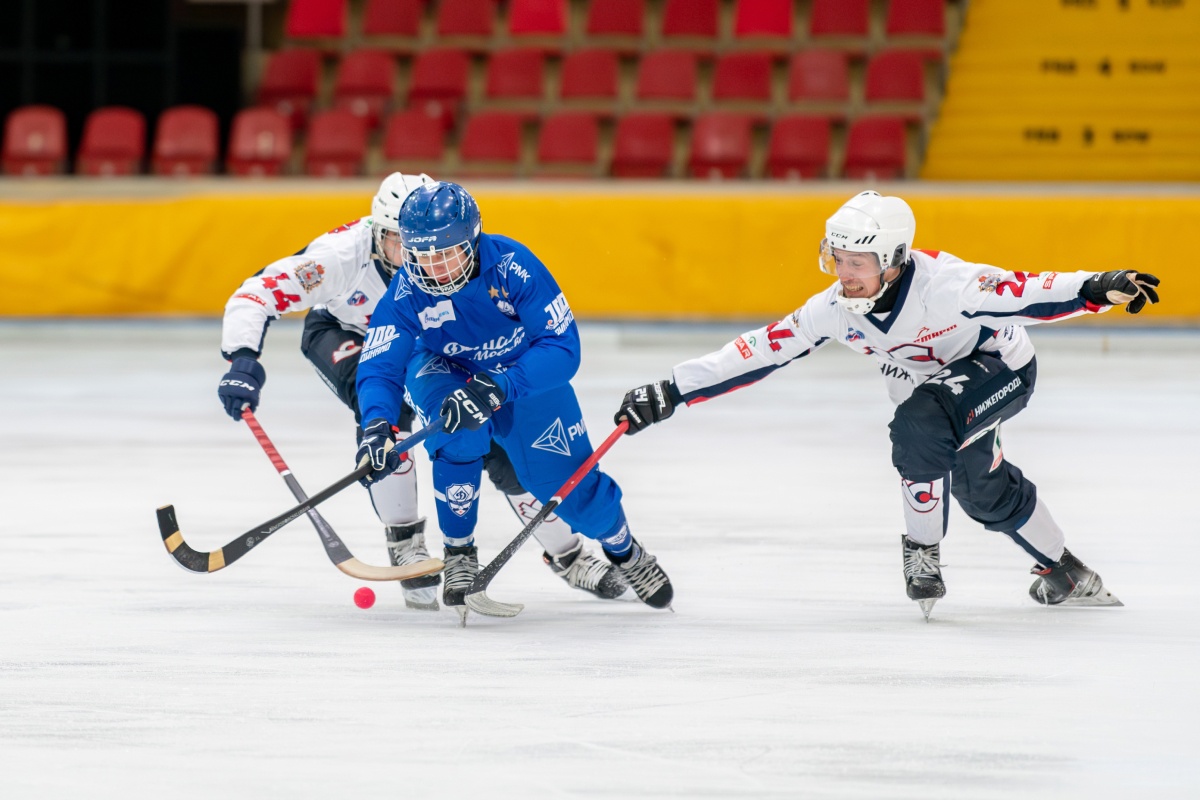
{"x":926,"y":607}
{"x":421,"y":599}
{"x":462,"y":615}
{"x":481,"y":603}
{"x":1102,"y":598}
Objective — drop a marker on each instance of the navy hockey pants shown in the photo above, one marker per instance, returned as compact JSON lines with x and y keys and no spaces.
{"x":334,"y":352}
{"x":967,"y":401}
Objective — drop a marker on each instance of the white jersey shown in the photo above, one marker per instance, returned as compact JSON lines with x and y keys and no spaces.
{"x":945,"y":309}
{"x":338,"y":270}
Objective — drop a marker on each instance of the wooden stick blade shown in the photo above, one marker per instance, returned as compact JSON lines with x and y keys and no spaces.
{"x":369,"y":572}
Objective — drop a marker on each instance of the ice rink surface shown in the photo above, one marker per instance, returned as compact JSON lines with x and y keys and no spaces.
{"x":793,"y":667}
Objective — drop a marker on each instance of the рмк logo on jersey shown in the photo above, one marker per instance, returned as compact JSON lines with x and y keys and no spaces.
{"x":557,"y":438}
{"x":378,"y":341}
{"x":560,"y":314}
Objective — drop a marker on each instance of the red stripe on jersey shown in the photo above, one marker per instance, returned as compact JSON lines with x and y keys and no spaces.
{"x":930,"y":253}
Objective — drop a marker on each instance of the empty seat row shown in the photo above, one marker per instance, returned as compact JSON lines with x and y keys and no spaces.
{"x":439,"y":81}
{"x":771,"y":23}
{"x":113,"y":142}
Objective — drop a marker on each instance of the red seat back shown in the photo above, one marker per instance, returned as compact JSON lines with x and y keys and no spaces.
{"x":798,"y":148}
{"x":289,"y":83}
{"x":667,"y":75}
{"x":113,"y":143}
{"x":720,"y":146}
{"x":568,"y":143}
{"x":839,"y":18}
{"x":621,"y":19}
{"x":817,"y":74}
{"x":315,"y":18}
{"x":644,"y":146}
{"x":364,"y":85}
{"x":491,"y":144}
{"x":413,"y":136}
{"x":537,"y":17}
{"x":916,"y":17}
{"x":185,"y":142}
{"x":393,"y":18}
{"x":875,"y":148}
{"x":691,"y":18}
{"x":337,"y":144}
{"x":439,"y":83}
{"x":742,"y":76}
{"x":772,"y":18}
{"x":35,"y":141}
{"x":469,"y":20}
{"x":591,"y":74}
{"x":260,"y":143}
{"x":515,"y":74}
{"x":896,"y":75}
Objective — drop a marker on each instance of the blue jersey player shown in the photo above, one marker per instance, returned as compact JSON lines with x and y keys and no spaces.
{"x":474,"y":328}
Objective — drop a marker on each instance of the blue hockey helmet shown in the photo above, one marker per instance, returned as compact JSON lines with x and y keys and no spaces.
{"x":439,"y":232}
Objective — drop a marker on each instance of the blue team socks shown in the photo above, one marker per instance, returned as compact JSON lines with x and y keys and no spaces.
{"x":456,"y":488}
{"x":617,"y":541}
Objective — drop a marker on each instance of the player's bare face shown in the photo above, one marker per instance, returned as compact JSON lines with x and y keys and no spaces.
{"x":858,"y":272}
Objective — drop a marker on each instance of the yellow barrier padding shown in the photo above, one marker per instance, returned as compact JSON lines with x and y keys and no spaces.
{"x":725,"y":254}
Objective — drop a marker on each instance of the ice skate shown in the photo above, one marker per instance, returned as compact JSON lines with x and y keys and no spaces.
{"x":406,"y":545}
{"x":1070,"y":582}
{"x":462,"y":565}
{"x":643,"y":574}
{"x":582,"y":570}
{"x":923,"y":574}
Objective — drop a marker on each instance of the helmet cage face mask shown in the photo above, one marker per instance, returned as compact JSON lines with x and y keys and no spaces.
{"x":440,"y":270}
{"x":387,"y":240}
{"x":385,"y":215}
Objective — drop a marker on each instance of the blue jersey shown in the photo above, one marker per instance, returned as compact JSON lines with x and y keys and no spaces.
{"x":511,"y":320}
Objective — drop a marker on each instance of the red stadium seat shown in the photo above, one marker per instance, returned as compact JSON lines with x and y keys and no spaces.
{"x":720,"y":146}
{"x":568,"y":144}
{"x":819,"y":75}
{"x":309,"y":19}
{"x":466,"y":23}
{"x":414,"y":141}
{"x":366,"y":80}
{"x":114,"y":142}
{"x":35,"y":141}
{"x":668,"y":78}
{"x":439,"y":83}
{"x":691,"y":23}
{"x":395,"y":23}
{"x":764,"y":24}
{"x":743,"y":76}
{"x":896,"y":79}
{"x":491,"y":145}
{"x":589,"y":79}
{"x":616,"y":23}
{"x":185,"y":142}
{"x":798,"y":148}
{"x":644,"y":146}
{"x":843,"y":23}
{"x":337,"y":144}
{"x":289,"y":83}
{"x":876,"y":149}
{"x":514,"y":79}
{"x":260,"y":143}
{"x":926,"y":18}
{"x":538,"y":22}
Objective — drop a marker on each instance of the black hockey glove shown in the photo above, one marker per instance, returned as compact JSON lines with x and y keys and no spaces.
{"x":1121,"y":286}
{"x":648,"y":404}
{"x":242,"y":384}
{"x":469,"y":406}
{"x":378,"y":448}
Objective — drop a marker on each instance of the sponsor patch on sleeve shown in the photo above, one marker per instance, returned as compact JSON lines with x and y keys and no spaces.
{"x":310,"y":274}
{"x":255,"y":298}
{"x":743,"y":348}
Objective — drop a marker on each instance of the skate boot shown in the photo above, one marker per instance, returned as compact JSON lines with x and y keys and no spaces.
{"x":582,"y":570}
{"x":643,"y":574}
{"x":923,"y":574}
{"x":462,"y":565}
{"x":1070,"y":581}
{"x":406,"y":545}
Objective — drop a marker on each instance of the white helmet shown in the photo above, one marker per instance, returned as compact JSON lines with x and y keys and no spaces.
{"x":869,"y":223}
{"x":385,"y":212}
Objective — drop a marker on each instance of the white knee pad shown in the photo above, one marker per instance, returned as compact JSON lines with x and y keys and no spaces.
{"x":554,"y":534}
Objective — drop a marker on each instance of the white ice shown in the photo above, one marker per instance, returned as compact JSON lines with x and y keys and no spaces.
{"x":793,"y":666}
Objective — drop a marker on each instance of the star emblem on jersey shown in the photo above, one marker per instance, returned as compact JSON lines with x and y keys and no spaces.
{"x":493,"y":292}
{"x":434,"y":366}
{"x":554,"y":440}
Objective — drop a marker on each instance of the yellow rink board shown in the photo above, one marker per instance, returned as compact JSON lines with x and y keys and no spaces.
{"x":645,"y":253}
